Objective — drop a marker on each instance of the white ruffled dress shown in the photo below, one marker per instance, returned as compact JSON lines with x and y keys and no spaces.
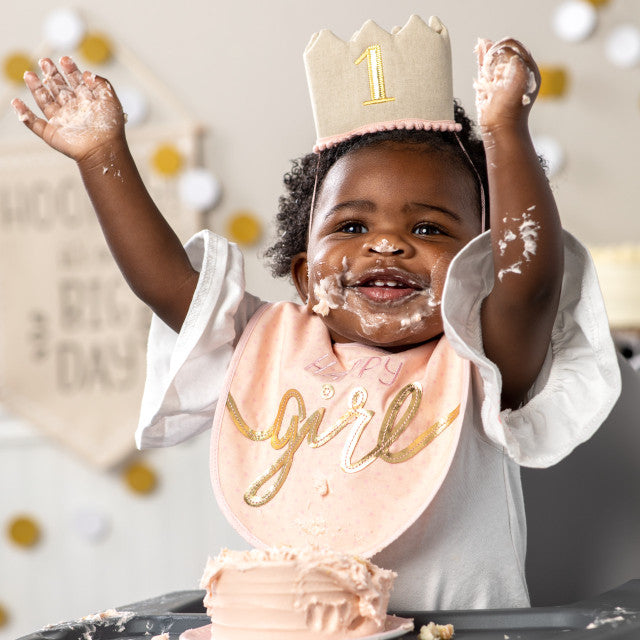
{"x":467,"y":549}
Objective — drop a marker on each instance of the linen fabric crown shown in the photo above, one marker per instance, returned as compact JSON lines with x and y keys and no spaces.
{"x":380,"y":81}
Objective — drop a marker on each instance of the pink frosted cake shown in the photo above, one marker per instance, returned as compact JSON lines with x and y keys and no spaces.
{"x":306,"y":594}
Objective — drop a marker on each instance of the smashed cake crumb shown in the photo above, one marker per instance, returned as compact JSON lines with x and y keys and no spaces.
{"x":433,"y":631}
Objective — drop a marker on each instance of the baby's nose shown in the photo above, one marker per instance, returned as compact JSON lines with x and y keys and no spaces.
{"x":385,"y":245}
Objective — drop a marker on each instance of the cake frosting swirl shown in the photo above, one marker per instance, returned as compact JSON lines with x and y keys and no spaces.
{"x":306,"y":594}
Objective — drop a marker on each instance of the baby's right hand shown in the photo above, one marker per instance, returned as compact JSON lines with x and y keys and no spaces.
{"x":82,"y":111}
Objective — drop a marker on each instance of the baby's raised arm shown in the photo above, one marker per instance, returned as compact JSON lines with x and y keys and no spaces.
{"x":84,"y":120}
{"x":526,"y":237}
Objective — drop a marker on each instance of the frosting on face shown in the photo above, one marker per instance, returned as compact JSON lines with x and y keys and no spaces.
{"x":390,"y":299}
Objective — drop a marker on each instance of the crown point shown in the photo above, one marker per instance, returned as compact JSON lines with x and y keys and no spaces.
{"x":312,"y":40}
{"x":414,"y":23}
{"x":325,"y":35}
{"x":369,"y":30}
{"x":436,"y":25}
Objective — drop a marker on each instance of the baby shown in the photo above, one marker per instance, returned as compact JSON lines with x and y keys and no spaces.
{"x":434,"y":358}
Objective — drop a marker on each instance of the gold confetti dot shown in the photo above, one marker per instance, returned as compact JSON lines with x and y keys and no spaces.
{"x":140,"y":478}
{"x":4,"y":616}
{"x":167,"y":160}
{"x":598,"y":3}
{"x":95,"y":48}
{"x":24,"y":531}
{"x":244,"y":228}
{"x":15,"y":64}
{"x":553,"y":82}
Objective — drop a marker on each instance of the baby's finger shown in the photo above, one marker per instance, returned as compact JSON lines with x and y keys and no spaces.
{"x":54,"y":81}
{"x":482,"y":46}
{"x":37,"y":125}
{"x":528,"y":59}
{"x":74,"y":78}
{"x":99,"y":86}
{"x":41,"y":94}
{"x":518,"y":48}
{"x":525,"y":55}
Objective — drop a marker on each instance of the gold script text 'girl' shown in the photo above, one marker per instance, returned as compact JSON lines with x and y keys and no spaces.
{"x":301,"y":427}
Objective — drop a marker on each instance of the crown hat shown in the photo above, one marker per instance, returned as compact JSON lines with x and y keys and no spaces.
{"x":380,"y":81}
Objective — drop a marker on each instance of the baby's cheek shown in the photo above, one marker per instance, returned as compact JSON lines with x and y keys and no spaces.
{"x":439,"y":274}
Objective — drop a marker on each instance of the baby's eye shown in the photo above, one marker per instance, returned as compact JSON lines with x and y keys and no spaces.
{"x":353,"y":227}
{"x":426,"y":229}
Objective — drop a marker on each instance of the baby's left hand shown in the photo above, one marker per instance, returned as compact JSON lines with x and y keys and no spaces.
{"x":507,"y":84}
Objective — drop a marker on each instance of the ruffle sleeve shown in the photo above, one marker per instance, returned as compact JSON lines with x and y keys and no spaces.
{"x":580,"y":379}
{"x":185,"y":370}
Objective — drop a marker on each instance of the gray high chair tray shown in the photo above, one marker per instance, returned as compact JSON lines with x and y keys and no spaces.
{"x":614,"y":615}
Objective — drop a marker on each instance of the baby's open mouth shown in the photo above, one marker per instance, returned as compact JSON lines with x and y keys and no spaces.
{"x":388,"y":285}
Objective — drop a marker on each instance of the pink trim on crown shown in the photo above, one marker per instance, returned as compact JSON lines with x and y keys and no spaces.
{"x":390,"y":125}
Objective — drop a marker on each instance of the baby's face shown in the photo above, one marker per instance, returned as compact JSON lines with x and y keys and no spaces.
{"x":387,"y":222}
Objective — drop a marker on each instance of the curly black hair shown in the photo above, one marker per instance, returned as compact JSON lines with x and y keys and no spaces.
{"x":307,"y":174}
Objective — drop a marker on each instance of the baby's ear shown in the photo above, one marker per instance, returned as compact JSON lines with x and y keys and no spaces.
{"x":300,"y":275}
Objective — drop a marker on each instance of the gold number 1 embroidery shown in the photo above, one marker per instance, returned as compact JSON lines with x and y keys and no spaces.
{"x":373,"y":55}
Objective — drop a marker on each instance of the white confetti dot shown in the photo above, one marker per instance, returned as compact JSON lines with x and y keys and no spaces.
{"x":623,"y":46}
{"x":552,"y":151}
{"x":64,"y":29}
{"x":91,"y":524}
{"x":199,"y":188}
{"x":574,"y":20}
{"x":134,"y":104}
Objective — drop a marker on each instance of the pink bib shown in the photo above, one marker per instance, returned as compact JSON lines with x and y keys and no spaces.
{"x":340,"y":445}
